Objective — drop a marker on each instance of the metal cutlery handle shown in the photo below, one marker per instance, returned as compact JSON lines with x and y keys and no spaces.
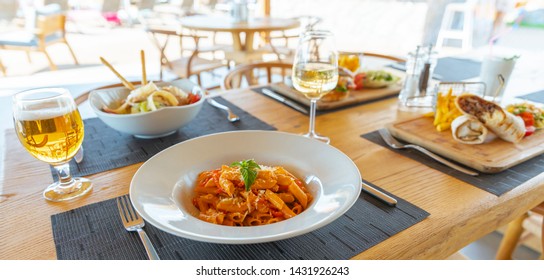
{"x":369,"y":189}
{"x":442,"y":160}
{"x":230,"y":115}
{"x":150,"y":250}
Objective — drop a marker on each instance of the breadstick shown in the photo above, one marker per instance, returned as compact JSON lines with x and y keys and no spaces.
{"x":126,"y":83}
{"x":144,"y":77}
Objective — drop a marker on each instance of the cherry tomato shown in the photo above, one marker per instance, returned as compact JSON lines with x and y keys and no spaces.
{"x":358,"y":80}
{"x":193,"y":98}
{"x":528,"y":118}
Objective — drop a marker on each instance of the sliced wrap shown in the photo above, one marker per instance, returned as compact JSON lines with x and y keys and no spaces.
{"x":504,"y":124}
{"x":468,"y":130}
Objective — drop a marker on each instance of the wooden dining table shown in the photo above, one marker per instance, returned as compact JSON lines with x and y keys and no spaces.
{"x":243,"y":33}
{"x":459,"y":212}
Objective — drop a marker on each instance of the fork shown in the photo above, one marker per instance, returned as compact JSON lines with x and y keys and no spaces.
{"x":230,"y":115}
{"x":133,"y":222}
{"x":393,"y":143}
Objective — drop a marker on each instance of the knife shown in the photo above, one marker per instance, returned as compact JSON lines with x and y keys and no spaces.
{"x":370,"y":189}
{"x":284,"y":100}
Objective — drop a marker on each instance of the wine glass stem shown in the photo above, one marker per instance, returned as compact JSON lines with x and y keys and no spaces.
{"x":313,"y":106}
{"x":63,"y":172}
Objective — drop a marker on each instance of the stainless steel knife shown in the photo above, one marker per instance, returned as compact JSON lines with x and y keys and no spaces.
{"x":369,"y":189}
{"x":284,"y":100}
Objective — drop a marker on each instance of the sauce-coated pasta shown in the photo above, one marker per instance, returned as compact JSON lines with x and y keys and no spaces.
{"x":275,"y":195}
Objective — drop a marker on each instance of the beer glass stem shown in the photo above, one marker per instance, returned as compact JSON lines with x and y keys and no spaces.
{"x":65,"y":178}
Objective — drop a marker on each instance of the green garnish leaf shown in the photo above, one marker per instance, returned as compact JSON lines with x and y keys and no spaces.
{"x":248,"y":169}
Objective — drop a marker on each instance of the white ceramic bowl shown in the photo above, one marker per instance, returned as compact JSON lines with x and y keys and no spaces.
{"x":163,"y":188}
{"x":162,"y":122}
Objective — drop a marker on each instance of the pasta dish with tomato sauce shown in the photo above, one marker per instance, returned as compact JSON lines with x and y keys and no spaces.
{"x":248,"y":194}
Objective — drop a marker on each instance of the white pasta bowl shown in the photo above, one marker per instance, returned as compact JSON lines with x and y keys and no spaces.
{"x":159,"y":123}
{"x":162,"y":189}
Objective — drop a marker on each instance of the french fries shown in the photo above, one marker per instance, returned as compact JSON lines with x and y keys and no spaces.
{"x":446,"y":111}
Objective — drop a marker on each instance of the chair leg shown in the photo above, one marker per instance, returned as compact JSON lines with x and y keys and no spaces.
{"x":51,"y":64}
{"x":3,"y":68}
{"x":71,"y":52}
{"x":511,"y":238}
{"x":199,"y":79}
{"x":28,"y":57}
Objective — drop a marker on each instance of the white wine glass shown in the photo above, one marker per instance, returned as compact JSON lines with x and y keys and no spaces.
{"x":50,"y":128}
{"x":315,"y":71}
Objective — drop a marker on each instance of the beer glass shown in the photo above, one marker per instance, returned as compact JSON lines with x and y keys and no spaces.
{"x":315,"y":71}
{"x":50,"y":128}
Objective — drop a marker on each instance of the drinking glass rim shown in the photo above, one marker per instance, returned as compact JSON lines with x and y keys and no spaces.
{"x":24,"y":95}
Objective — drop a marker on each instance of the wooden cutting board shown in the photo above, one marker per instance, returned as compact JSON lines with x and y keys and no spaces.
{"x":355,"y":96}
{"x":490,"y":157}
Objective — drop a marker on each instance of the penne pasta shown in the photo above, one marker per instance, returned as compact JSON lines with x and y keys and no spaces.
{"x":299,"y":194}
{"x":274,"y":195}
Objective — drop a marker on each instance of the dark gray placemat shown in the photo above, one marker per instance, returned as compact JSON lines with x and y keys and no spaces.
{"x":497,"y":184}
{"x":535,"y":96}
{"x":321,"y":112}
{"x":106,"y":148}
{"x":451,"y":69}
{"x":95,"y":232}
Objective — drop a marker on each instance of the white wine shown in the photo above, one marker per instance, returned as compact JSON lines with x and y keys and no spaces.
{"x":315,"y":79}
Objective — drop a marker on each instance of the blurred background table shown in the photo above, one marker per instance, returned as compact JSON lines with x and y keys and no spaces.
{"x":243,"y":33}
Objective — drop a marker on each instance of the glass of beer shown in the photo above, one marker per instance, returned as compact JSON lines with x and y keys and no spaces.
{"x":315,"y":71}
{"x":50,"y":128}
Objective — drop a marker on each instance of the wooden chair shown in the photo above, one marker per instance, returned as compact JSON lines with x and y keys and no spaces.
{"x":253,"y":74}
{"x":375,"y":55}
{"x":528,"y":223}
{"x":306,"y":23}
{"x":282,"y":50}
{"x":50,"y":30}
{"x":186,"y":66}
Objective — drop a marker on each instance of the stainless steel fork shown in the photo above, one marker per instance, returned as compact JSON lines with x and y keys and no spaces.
{"x":230,"y":115}
{"x":133,"y":222}
{"x":393,"y":143}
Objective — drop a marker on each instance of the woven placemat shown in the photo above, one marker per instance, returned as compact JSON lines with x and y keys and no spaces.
{"x":106,"y":148}
{"x":321,"y":112}
{"x":497,"y":184}
{"x":95,"y":232}
{"x":535,"y":96}
{"x":451,"y":69}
